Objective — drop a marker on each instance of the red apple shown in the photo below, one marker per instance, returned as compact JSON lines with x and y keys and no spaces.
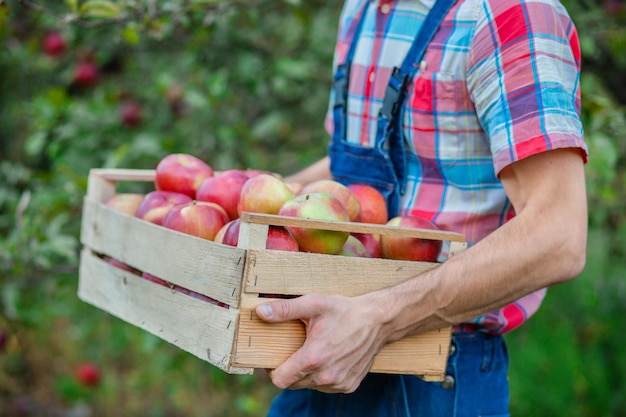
{"x":278,"y":237}
{"x":126,"y":202}
{"x":219,"y":236}
{"x":263,"y":193}
{"x":223,"y":189}
{"x":318,"y":206}
{"x":354,"y":247}
{"x":121,"y":265}
{"x":156,"y":204}
{"x":155,"y":279}
{"x":54,"y":44}
{"x":181,"y":173}
{"x":86,"y":74}
{"x":340,"y":192}
{"x":373,"y":203}
{"x":371,"y":243}
{"x":197,"y":218}
{"x":130,"y":114}
{"x":88,"y":374}
{"x":407,"y":248}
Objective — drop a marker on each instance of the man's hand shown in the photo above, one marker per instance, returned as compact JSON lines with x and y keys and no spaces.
{"x":342,"y":338}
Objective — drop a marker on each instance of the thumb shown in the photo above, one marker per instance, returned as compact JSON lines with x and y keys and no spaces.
{"x":288,"y":309}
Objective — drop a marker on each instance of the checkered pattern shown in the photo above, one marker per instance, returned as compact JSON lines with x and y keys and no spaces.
{"x":499,"y":82}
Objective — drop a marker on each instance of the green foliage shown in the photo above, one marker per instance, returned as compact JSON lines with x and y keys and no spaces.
{"x":238,"y":84}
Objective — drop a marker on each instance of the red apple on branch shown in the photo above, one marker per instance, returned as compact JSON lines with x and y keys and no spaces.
{"x":318,"y":206}
{"x":181,"y":173}
{"x":88,"y":374}
{"x":408,"y":248}
{"x":54,"y":44}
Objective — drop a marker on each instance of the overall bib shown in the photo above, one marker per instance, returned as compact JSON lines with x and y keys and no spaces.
{"x":383,"y":166}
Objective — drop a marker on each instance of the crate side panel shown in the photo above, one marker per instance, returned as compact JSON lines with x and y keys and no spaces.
{"x":296,"y":273}
{"x":267,"y":345}
{"x":200,"y":328}
{"x":197,"y":264}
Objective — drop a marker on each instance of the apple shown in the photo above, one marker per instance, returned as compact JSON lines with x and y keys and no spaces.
{"x":197,"y":218}
{"x":127,"y":203}
{"x":371,"y":243}
{"x":219,"y":236}
{"x":250,"y":172}
{"x":373,"y":203}
{"x":263,"y":193}
{"x":54,"y":44}
{"x":318,"y":206}
{"x":224,"y":189}
{"x":156,"y":204}
{"x":181,"y":173}
{"x":155,"y":279}
{"x":130,"y":114}
{"x":88,"y":374}
{"x":3,"y":340}
{"x":86,"y":74}
{"x":340,"y":192}
{"x":407,"y":248}
{"x":278,"y":237}
{"x":121,"y":265}
{"x":354,"y":247}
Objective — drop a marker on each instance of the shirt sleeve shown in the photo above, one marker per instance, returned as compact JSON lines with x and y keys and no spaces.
{"x":524,"y":78}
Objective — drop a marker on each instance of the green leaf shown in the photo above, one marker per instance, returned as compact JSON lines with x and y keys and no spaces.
{"x":100,"y":9}
{"x":72,"y":4}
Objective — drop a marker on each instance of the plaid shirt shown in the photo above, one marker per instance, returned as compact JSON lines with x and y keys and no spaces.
{"x":499,"y":82}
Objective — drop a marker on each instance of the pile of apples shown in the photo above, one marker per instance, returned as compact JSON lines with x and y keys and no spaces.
{"x":190,"y":197}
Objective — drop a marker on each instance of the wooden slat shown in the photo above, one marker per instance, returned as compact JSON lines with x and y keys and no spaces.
{"x":197,"y":264}
{"x":353,"y":227}
{"x":200,"y":328}
{"x":297,"y":273}
{"x":263,"y":345}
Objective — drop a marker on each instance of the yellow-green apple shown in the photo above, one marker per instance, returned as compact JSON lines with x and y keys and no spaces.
{"x":127,"y":203}
{"x":278,"y":237}
{"x":181,"y":173}
{"x":263,"y":193}
{"x":156,"y":204}
{"x":318,"y":206}
{"x":198,"y":218}
{"x":224,"y":189}
{"x":340,"y":192}
{"x":407,"y":248}
{"x":354,"y":247}
{"x":373,"y":203}
{"x":371,"y":243}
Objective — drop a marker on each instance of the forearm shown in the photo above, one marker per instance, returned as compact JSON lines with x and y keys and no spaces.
{"x":543,"y":245}
{"x":317,"y":171}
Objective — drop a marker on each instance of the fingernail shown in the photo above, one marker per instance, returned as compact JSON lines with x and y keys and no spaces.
{"x":266,"y":310}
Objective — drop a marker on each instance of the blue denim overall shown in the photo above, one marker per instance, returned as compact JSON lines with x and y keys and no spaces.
{"x":384,"y":165}
{"x":476,"y":380}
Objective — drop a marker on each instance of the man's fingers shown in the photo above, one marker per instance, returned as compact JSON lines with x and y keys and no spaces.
{"x":291,"y":309}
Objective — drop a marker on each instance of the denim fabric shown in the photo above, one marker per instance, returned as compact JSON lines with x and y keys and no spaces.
{"x":478,"y":365}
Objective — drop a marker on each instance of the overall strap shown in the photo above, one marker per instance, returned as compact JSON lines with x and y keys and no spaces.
{"x":403,"y":75}
{"x":342,"y":76}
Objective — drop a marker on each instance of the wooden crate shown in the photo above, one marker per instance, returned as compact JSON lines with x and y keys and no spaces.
{"x":229,"y":335}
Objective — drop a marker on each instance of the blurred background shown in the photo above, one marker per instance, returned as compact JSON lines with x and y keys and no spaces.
{"x":122,"y":83}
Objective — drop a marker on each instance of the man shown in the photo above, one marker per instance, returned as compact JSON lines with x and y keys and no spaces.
{"x":485,"y":140}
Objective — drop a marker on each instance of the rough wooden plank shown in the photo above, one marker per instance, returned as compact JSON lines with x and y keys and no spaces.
{"x":352,"y":227}
{"x":200,"y":328}
{"x":264,"y":345}
{"x":197,"y":264}
{"x":297,"y":273}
